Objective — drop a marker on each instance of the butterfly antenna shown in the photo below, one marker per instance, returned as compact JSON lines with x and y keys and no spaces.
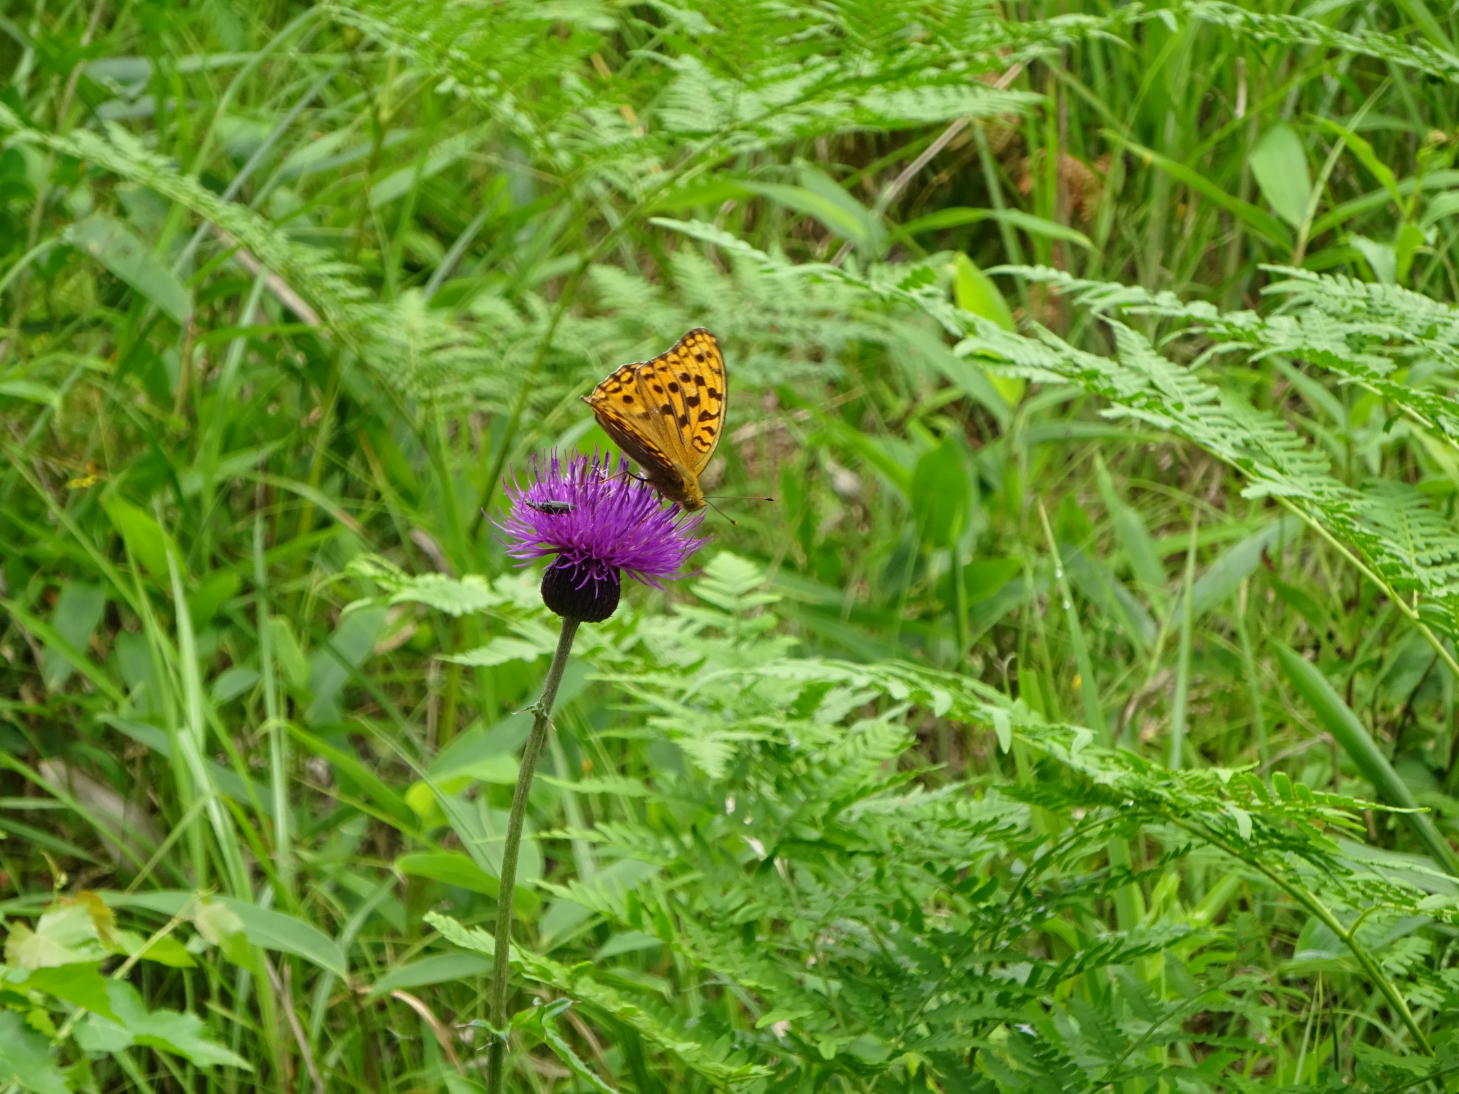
{"x":732,"y":497}
{"x":721,"y":512}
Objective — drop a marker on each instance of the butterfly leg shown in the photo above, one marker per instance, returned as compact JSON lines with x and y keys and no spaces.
{"x":624,"y":474}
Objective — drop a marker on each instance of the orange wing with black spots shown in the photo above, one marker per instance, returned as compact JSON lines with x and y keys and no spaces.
{"x":668,"y":413}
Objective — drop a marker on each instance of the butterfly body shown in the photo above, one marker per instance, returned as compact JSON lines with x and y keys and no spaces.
{"x":667,"y":414}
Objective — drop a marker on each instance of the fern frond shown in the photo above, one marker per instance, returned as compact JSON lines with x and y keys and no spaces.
{"x":1290,"y":30}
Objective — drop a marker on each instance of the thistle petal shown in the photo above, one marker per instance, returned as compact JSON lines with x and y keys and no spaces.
{"x":596,"y":520}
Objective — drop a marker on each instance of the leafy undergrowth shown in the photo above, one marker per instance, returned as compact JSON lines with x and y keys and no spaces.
{"x":1079,"y":716}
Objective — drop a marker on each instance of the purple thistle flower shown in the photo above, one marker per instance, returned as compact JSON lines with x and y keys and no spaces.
{"x":598,"y":521}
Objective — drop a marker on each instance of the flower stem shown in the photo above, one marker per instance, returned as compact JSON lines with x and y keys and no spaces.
{"x":501,"y":957}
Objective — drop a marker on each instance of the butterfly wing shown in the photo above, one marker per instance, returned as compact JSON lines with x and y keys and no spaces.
{"x":685,"y":386}
{"x":667,"y":413}
{"x":630,"y":430}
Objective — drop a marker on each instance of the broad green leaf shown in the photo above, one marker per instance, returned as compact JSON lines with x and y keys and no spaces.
{"x":1439,"y":207}
{"x":97,"y":1033}
{"x":699,"y":193}
{"x":169,"y":1030}
{"x":438,"y":968}
{"x":822,"y":185}
{"x":496,"y":767}
{"x":1381,"y":257}
{"x":220,"y":925}
{"x":115,"y":246}
{"x":941,"y":494}
{"x":31,"y":392}
{"x":1234,"y":565}
{"x":1407,"y":243}
{"x":63,"y":935}
{"x":81,"y":985}
{"x":425,"y":804}
{"x":275,"y":930}
{"x":25,"y":1058}
{"x":332,"y":665}
{"x":449,"y":868}
{"x":213,"y":591}
{"x":841,"y":222}
{"x":167,"y":949}
{"x":77,"y":612}
{"x":974,"y":291}
{"x":820,"y":197}
{"x":1002,"y":729}
{"x":1015,"y":218}
{"x":482,"y":832}
{"x":986,"y":577}
{"x":288,"y":653}
{"x":233,"y":682}
{"x":146,"y":540}
{"x":1279,"y":164}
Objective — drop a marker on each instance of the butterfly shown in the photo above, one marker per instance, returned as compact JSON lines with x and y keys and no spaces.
{"x":667,"y":414}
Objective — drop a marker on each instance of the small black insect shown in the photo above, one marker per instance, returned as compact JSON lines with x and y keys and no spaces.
{"x":552,"y":506}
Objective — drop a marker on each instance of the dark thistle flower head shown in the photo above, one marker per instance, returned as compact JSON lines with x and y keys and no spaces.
{"x":598,"y":521}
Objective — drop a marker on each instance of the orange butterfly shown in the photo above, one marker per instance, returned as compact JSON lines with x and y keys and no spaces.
{"x":667,"y":414}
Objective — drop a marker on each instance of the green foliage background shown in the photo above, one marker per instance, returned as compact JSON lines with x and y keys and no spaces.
{"x":1080,"y":716}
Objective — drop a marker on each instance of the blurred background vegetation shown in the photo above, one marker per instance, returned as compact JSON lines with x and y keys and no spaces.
{"x":1099,"y":358}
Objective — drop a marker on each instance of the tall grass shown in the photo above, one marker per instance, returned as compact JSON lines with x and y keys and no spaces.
{"x":1079,"y":716}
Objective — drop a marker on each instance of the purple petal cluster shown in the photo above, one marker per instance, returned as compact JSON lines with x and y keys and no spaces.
{"x":597,"y":520}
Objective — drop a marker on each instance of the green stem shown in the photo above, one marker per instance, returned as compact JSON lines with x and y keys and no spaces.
{"x":501,"y":962}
